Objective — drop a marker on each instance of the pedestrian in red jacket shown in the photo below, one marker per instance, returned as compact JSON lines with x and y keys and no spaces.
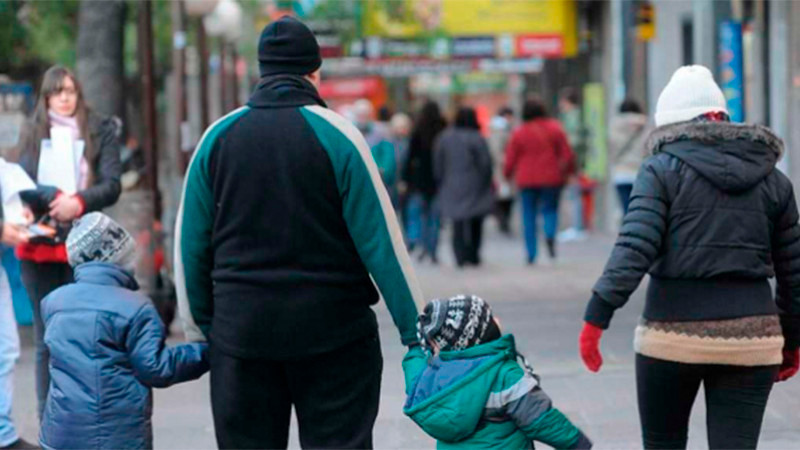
{"x":541,"y":160}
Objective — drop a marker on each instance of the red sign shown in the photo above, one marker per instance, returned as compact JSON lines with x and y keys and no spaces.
{"x":542,"y":45}
{"x":351,"y":87}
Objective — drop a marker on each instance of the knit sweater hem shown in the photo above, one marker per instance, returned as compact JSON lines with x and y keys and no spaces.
{"x":690,"y":349}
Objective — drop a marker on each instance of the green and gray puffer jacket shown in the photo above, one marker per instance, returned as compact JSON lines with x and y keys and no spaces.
{"x":482,"y":398}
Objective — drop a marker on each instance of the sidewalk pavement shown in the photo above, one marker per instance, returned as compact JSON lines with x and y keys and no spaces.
{"x":542,"y":305}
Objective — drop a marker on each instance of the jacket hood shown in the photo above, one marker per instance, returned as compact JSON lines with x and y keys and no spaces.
{"x":105,"y":274}
{"x":448,"y":398}
{"x":734,"y":157}
{"x":284,"y":91}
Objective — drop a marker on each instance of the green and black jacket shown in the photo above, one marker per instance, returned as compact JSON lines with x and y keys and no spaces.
{"x":284,"y":224}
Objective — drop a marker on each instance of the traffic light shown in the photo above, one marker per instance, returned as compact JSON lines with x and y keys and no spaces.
{"x":645,"y":21}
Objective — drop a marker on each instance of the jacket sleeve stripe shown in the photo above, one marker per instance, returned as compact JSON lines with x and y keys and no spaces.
{"x":515,"y":392}
{"x":193,"y":257}
{"x":377,"y":237}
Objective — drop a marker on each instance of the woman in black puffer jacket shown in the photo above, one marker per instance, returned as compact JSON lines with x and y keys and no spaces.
{"x":711,"y":221}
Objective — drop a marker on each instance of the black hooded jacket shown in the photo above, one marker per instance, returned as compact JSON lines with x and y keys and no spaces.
{"x":710,"y":220}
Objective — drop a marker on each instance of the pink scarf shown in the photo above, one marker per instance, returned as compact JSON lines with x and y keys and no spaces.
{"x":57,"y":120}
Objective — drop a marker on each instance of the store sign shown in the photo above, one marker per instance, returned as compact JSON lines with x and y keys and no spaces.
{"x":349,"y":67}
{"x":330,"y":46}
{"x":594,"y":119}
{"x":351,"y":87}
{"x":420,"y":18}
{"x":401,"y":48}
{"x":545,"y":46}
{"x":732,"y":68}
{"x":510,"y":66}
{"x":474,"y":47}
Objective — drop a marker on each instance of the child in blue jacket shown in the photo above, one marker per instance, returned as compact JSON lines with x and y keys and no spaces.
{"x":107,"y":349}
{"x":467,"y":389}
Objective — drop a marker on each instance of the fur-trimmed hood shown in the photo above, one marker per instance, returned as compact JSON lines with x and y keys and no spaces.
{"x":735,"y":157}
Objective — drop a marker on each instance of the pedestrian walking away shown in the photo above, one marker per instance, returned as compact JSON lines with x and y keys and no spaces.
{"x":579,"y":190}
{"x":107,"y":349}
{"x":710,"y":316}
{"x":284,"y":223}
{"x":626,"y":148}
{"x":467,"y":386}
{"x":462,"y":167}
{"x":420,"y":182}
{"x":92,"y":140}
{"x":501,"y":126}
{"x":540,"y":160}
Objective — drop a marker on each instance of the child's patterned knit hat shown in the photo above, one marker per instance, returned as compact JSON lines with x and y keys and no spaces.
{"x":456,"y":323}
{"x":97,"y":237}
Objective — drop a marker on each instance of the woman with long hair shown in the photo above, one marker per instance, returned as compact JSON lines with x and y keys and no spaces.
{"x":711,"y":220}
{"x":541,"y":160}
{"x":418,"y":177}
{"x":93,"y":141}
{"x":463,"y":172}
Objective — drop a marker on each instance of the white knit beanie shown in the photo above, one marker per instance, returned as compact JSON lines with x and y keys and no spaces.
{"x":691,"y":92}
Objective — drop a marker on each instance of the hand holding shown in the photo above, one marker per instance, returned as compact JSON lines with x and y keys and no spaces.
{"x":65,"y":208}
{"x":589,"y":343}
{"x":14,"y":235}
{"x":790,"y":365}
{"x":28,"y":215}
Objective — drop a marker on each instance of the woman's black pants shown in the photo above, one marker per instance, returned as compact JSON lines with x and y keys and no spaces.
{"x":736,"y":397}
{"x":467,"y":237}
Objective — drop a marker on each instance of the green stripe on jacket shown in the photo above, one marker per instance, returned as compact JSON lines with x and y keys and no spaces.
{"x":194,"y":258}
{"x":369,"y":217}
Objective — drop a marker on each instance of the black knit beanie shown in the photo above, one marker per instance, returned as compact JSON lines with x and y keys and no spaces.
{"x":288,"y":46}
{"x":456,"y":323}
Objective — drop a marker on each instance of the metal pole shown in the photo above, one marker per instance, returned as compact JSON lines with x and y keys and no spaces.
{"x":202,"y":47}
{"x":179,"y":74}
{"x":235,"y":76}
{"x":223,"y":77}
{"x":150,"y":141}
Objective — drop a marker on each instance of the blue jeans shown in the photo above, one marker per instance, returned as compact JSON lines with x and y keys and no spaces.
{"x":9,"y":353}
{"x":624,"y":192}
{"x":422,"y":224}
{"x":40,"y":280}
{"x":532,"y":200}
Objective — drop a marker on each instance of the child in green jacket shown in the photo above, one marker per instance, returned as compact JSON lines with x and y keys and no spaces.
{"x":466,"y":389}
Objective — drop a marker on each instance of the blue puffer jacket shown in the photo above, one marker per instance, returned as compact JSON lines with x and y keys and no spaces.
{"x":107,"y":350}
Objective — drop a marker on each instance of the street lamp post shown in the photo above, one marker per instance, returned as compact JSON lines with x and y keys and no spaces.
{"x":202,"y":48}
{"x":179,"y":73}
{"x":150,"y":141}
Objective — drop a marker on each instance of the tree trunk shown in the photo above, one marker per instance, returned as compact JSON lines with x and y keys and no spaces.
{"x":100,"y":55}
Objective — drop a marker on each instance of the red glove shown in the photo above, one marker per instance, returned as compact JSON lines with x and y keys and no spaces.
{"x":790,"y":366}
{"x":589,"y":343}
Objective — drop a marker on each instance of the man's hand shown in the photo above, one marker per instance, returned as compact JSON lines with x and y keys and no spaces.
{"x":14,"y":235}
{"x":65,"y":208}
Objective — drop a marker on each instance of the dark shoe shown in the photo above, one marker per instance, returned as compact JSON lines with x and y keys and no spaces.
{"x":551,"y":248}
{"x":22,"y":444}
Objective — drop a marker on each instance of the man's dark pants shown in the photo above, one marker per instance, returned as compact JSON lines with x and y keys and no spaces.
{"x":335,"y":396}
